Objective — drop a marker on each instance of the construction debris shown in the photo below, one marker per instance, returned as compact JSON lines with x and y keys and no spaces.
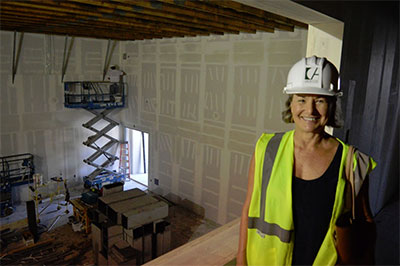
{"x":60,"y":247}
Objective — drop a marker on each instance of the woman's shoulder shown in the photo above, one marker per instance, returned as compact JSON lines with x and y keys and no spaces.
{"x":267,"y":136}
{"x":334,"y":142}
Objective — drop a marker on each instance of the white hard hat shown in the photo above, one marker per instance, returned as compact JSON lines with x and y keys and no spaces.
{"x":313,"y":75}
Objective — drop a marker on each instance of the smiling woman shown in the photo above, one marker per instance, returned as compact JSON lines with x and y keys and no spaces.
{"x":334,"y":114}
{"x":296,"y":185}
{"x":310,"y":112}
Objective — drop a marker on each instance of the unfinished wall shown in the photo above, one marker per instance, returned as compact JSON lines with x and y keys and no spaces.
{"x":205,"y":101}
{"x":32,"y":113}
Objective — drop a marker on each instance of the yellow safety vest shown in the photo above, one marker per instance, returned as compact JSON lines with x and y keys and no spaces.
{"x":270,"y":220}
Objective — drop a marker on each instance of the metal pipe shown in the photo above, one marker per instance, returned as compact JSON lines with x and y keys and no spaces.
{"x":16,"y":54}
{"x":54,"y":222}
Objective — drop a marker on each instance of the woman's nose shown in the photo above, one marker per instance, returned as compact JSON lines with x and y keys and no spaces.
{"x":310,"y":107}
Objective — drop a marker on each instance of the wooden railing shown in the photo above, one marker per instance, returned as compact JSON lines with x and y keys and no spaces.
{"x":218,"y":247}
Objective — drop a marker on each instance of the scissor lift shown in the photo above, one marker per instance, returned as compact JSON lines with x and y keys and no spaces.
{"x":93,"y":96}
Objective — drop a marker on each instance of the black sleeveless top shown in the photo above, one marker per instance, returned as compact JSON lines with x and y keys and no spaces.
{"x":312,"y":210}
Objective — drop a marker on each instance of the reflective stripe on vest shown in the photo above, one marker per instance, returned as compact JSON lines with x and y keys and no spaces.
{"x":258,"y":223}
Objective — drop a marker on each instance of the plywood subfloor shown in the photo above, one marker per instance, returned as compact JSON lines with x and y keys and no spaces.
{"x":68,"y":247}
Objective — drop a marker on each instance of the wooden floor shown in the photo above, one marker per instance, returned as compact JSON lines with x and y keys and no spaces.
{"x":187,"y":226}
{"x":63,"y":246}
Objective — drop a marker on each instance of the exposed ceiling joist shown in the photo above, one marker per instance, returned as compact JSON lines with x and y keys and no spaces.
{"x":139,"y":19}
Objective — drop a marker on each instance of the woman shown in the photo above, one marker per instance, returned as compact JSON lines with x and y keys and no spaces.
{"x":296,"y":179}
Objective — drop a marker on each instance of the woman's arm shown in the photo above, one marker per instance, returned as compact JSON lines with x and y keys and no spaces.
{"x":241,"y":256}
{"x":363,"y":210}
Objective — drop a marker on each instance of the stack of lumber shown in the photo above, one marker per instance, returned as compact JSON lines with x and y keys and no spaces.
{"x":130,"y":228}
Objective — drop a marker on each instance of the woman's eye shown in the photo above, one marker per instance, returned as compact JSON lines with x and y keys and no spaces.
{"x":321,"y":101}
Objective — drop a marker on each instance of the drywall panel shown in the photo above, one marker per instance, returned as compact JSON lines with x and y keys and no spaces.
{"x":215,"y":92}
{"x":33,"y":117}
{"x":8,"y":96}
{"x":33,"y":59}
{"x":237,"y":184}
{"x":205,"y":101}
{"x":92,"y":57}
{"x":149,"y":91}
{"x":189,"y":98}
{"x":6,"y":55}
{"x":167,"y":90}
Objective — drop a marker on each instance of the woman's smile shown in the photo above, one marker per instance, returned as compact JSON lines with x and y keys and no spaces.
{"x":311,"y":119}
{"x":310,"y":112}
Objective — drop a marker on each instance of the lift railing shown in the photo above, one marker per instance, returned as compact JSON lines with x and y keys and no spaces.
{"x":94,"y":94}
{"x":16,"y":169}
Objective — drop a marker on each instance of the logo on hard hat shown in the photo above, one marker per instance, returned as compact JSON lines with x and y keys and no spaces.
{"x":312,"y":74}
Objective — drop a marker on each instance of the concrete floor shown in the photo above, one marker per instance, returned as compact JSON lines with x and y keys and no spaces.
{"x":51,"y":213}
{"x":136,"y":181}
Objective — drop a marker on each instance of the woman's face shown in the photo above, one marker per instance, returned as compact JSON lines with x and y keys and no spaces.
{"x":310,"y":112}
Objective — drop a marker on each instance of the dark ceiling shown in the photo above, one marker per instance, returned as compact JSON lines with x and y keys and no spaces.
{"x":138,"y":19}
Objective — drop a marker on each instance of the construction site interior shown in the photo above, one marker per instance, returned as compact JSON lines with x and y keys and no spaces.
{"x":117,"y":150}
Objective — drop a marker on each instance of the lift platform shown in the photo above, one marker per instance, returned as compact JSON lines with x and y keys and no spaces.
{"x":93,"y":96}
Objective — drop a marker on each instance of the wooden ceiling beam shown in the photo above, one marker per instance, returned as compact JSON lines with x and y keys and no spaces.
{"x":88,"y":30}
{"x":43,"y":18}
{"x":56,"y":30}
{"x":42,"y":24}
{"x":139,"y":18}
{"x":230,"y":14}
{"x":250,"y":18}
{"x":117,"y":19}
{"x":108,"y":8}
{"x":121,"y":10}
{"x":94,"y":17}
{"x":203,"y":14}
{"x":59,"y":30}
{"x":70,"y":32}
{"x":150,"y":8}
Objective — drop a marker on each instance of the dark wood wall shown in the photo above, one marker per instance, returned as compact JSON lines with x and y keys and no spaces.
{"x":370,"y":82}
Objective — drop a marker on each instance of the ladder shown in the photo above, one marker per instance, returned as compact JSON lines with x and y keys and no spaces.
{"x":124,"y":162}
{"x":101,"y":159}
